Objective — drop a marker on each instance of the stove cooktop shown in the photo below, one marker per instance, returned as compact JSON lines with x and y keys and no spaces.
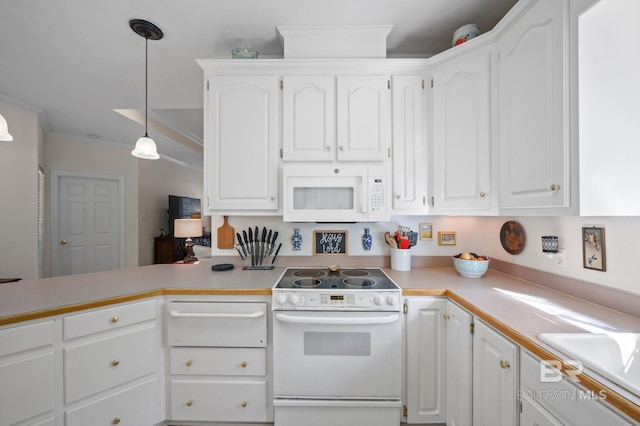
{"x":345,"y":279}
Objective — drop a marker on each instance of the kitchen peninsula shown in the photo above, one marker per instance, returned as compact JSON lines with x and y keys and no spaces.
{"x":517,"y":309}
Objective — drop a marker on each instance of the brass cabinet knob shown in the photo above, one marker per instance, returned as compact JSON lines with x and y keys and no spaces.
{"x":189,"y":403}
{"x":329,"y":148}
{"x":504,"y":364}
{"x":243,"y":404}
{"x":188,"y":363}
{"x":115,"y":319}
{"x":63,"y":242}
{"x":483,"y":194}
{"x":446,"y":316}
{"x":554,"y":187}
{"x":341,"y":148}
{"x":243,"y":364}
{"x":116,"y":420}
{"x":272,"y":197}
{"x":115,"y":363}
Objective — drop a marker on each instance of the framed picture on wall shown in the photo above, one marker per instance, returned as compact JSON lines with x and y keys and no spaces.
{"x":426,"y":231}
{"x":446,"y":238}
{"x":593,"y":249}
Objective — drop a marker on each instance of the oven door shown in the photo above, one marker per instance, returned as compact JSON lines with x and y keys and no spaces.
{"x":337,"y":355}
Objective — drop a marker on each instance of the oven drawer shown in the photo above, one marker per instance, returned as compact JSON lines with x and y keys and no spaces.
{"x":336,"y":413}
{"x":219,"y":361}
{"x":219,"y":400}
{"x":217,"y":324}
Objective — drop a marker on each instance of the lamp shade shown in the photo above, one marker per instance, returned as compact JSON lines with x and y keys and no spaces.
{"x":187,"y":228}
{"x":4,"y":130}
{"x":145,"y":148}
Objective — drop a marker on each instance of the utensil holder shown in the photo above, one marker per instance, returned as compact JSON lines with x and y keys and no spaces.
{"x":400,"y":260}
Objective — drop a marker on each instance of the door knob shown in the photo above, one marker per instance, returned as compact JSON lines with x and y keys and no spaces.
{"x":63,"y":242}
{"x":504,"y":364}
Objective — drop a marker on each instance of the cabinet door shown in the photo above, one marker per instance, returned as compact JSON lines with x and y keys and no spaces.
{"x":532,"y":414}
{"x":409,"y":145}
{"x":459,"y":364}
{"x":533,"y":112}
{"x":308,"y":118}
{"x":425,"y":360}
{"x":461,"y":135}
{"x":495,"y":372}
{"x":241,"y":143}
{"x":364,"y":118}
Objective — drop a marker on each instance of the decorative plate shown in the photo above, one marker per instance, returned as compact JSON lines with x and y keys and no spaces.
{"x":512,"y":237}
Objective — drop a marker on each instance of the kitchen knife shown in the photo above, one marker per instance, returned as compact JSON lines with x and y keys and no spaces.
{"x":273,"y":242}
{"x":263,"y":244}
{"x":252,"y":248}
{"x":242,"y":256}
{"x":267,"y":247}
{"x":256,"y":245}
{"x":276,"y":255}
{"x":241,"y":244}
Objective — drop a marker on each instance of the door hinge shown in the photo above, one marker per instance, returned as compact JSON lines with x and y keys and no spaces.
{"x":424,"y":200}
{"x":472,"y":327}
{"x":389,"y":84}
{"x":520,"y":403}
{"x":405,"y":307}
{"x":281,"y":85}
{"x":207,"y":85}
{"x":207,"y":201}
{"x":388,"y":152}
{"x":433,"y":204}
{"x":405,"y":411}
{"x":432,"y":83}
{"x":423,"y":84}
{"x":281,"y":153}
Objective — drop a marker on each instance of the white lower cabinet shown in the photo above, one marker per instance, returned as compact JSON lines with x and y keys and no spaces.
{"x":495,"y":378}
{"x":438,"y":362}
{"x":553,"y":399}
{"x":218,"y":362}
{"x":27,"y":373}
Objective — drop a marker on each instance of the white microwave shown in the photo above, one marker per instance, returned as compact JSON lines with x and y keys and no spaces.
{"x":336,"y":193}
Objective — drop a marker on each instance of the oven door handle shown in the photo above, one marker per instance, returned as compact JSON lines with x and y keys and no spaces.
{"x":388,"y":319}
{"x":177,"y":314}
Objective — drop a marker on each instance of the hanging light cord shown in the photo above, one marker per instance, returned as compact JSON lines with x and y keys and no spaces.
{"x":146,"y":84}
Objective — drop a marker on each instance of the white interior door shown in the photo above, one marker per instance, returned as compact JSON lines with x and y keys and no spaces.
{"x":87,"y":223}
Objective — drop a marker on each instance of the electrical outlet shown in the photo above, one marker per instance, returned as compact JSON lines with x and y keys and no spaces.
{"x":560,"y":259}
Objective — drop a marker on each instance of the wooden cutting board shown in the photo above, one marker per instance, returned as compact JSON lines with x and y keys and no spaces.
{"x":225,"y":235}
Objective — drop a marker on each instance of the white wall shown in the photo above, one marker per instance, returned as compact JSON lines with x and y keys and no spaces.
{"x":18,"y":192}
{"x":62,"y":153}
{"x":157,"y":180}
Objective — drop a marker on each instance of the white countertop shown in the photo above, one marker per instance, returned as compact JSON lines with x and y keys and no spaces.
{"x":519,"y":309}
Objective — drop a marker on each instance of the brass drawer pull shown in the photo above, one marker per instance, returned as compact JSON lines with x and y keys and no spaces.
{"x":188,"y":363}
{"x":243,"y":404}
{"x":115,"y":319}
{"x":504,"y":364}
{"x":115,"y":363}
{"x":446,"y":316}
{"x":243,"y":364}
{"x":116,"y":421}
{"x":189,"y":403}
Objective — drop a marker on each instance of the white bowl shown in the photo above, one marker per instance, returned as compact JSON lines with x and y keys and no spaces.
{"x":464,"y":33}
{"x":471,"y":268}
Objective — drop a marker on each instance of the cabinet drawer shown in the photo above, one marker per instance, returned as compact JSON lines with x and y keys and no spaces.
{"x":219,"y":361}
{"x":134,"y":406}
{"x":217,"y":324}
{"x":219,"y":401}
{"x":27,"y":388}
{"x":108,"y":319}
{"x":569,"y":403}
{"x":25,"y":337}
{"x":101,"y":364}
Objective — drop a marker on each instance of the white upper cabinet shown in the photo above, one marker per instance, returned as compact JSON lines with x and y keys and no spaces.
{"x":312,"y":105}
{"x":409,"y":145}
{"x":535,"y":149}
{"x":241,"y":144}
{"x":462,"y":134}
{"x":308,"y":118}
{"x":364,"y":117}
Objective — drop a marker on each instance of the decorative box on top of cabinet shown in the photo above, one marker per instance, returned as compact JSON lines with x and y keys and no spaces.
{"x":27,"y":374}
{"x":533,"y":92}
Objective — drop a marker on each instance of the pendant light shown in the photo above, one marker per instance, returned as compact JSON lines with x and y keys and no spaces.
{"x":145,"y":146}
{"x":4,"y":130}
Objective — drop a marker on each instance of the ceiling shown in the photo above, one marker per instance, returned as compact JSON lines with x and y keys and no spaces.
{"x":77,"y":61}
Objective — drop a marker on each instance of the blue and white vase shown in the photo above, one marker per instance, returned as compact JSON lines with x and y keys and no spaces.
{"x":296,"y":239}
{"x":367,"y":240}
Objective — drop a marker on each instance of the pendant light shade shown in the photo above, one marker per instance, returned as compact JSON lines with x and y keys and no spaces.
{"x":145,"y":146}
{"x":4,"y":130}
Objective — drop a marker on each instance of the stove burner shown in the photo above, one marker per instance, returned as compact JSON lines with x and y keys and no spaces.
{"x":309,"y":273}
{"x":355,"y":272}
{"x":307,"y":282}
{"x":360,"y":282}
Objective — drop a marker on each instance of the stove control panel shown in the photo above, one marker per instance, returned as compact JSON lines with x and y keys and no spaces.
{"x":338,"y":300}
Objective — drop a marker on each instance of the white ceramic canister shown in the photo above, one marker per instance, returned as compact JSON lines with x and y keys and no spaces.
{"x":400,"y":260}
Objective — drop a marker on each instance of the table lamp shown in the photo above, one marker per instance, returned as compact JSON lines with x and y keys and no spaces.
{"x":188,"y":228}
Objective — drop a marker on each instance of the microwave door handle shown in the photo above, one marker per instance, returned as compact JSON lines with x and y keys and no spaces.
{"x":365,"y":191}
{"x":388,"y":319}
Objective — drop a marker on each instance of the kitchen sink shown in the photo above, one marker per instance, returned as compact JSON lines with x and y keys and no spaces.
{"x":615,"y":356}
